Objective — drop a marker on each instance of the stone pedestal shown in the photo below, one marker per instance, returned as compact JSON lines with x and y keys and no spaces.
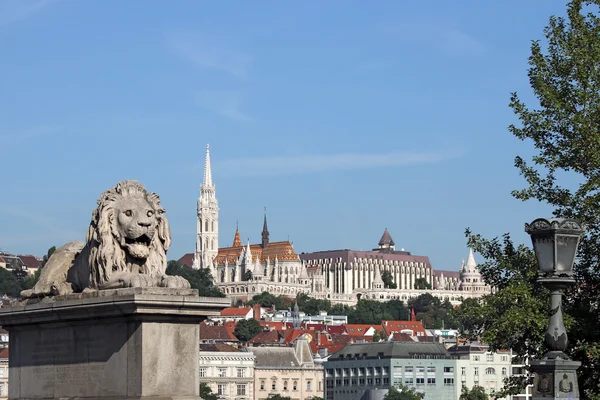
{"x":555,"y":379}
{"x":120,"y":344}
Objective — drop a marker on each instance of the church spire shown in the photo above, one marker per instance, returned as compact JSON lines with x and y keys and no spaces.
{"x":265,"y":232}
{"x":237,"y":242}
{"x":471,"y":264}
{"x":207,"y":171}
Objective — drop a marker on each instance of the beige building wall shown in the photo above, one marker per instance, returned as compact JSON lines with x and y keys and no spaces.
{"x":485,"y":369}
{"x":299,"y":384}
{"x":3,"y":377}
{"x":230,"y":375}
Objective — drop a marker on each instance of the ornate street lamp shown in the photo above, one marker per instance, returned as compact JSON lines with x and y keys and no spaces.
{"x":555,"y":244}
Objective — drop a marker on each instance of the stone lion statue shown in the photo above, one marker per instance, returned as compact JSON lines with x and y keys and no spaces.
{"x":126,"y":246}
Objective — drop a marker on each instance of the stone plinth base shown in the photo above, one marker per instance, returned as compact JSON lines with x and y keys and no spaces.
{"x":555,"y":379}
{"x":118,"y":344}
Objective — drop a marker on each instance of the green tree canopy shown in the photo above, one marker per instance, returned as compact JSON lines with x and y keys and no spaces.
{"x":246,"y":329}
{"x":388,"y":280}
{"x":564,"y":172}
{"x":421,"y":283}
{"x":48,"y":254}
{"x":403,"y":393}
{"x":9,"y":284}
{"x":200,"y":279}
{"x":266,"y":299}
{"x":206,"y":392}
{"x":278,"y":397}
{"x":475,"y":393}
{"x":311,"y":306}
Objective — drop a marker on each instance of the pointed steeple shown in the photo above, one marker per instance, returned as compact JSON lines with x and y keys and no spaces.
{"x":237,"y":242}
{"x":412,"y":315}
{"x":265,"y":232}
{"x":471,"y":264}
{"x":207,"y":171}
{"x":248,"y":254}
{"x":377,"y":280}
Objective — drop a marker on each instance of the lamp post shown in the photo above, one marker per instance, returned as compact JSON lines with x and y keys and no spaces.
{"x":555,"y":243}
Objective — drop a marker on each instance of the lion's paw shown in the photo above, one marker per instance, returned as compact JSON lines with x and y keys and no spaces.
{"x":174,"y":281}
{"x":141,"y":280}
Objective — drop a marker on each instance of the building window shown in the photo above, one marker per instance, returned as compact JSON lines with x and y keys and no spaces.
{"x":262,"y":385}
{"x":294,"y":385}
{"x":397,"y":372}
{"x":463,"y":371}
{"x":284,"y":385}
{"x":241,"y":372}
{"x":320,"y":386}
{"x":475,"y":358}
{"x":489,"y":357}
{"x":202,"y":373}
{"x":490,"y":371}
{"x":308,"y":386}
{"x":420,"y":380}
{"x":448,"y":369}
{"x":431,"y":370}
{"x":504,"y":358}
{"x":449,"y":381}
{"x":431,"y":381}
{"x":503,"y":371}
{"x":222,"y":389}
{"x":273,"y":385}
{"x":241,"y":390}
{"x":476,"y":371}
{"x":408,"y":370}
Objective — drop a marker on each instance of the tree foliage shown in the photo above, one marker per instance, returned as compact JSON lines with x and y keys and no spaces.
{"x":47,"y":256}
{"x":475,"y":393}
{"x":266,"y":299}
{"x":246,"y":329}
{"x":9,"y":284}
{"x":206,"y":393}
{"x":200,"y":279}
{"x":563,"y":126}
{"x":278,"y":397}
{"x":388,"y":280}
{"x":312,"y":306}
{"x":403,"y":393}
{"x":421,"y":283}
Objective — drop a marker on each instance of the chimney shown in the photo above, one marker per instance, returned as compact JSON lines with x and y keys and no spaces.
{"x":256,"y":312}
{"x":318,"y":338}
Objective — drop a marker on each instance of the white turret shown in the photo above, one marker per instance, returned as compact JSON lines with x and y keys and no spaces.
{"x":207,"y":238}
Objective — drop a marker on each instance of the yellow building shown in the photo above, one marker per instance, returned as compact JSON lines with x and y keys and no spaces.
{"x":288,"y":371}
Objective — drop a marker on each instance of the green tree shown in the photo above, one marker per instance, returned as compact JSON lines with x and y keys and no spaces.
{"x":376,"y":337}
{"x":421,"y":283}
{"x":206,"y":392}
{"x":476,"y":393}
{"x":266,"y":299}
{"x":312,"y":306}
{"x":405,"y":393}
{"x":9,"y":284}
{"x":30,"y":280}
{"x":564,"y":172}
{"x":246,"y":329}
{"x":200,"y":279}
{"x":388,"y":280}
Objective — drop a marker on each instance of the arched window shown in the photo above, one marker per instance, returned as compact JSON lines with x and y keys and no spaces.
{"x":262,"y":385}
{"x":490,"y":371}
{"x":284,"y":385}
{"x":308,"y":386}
{"x":212,"y":244}
{"x":206,"y":225}
{"x":200,"y":222}
{"x":212,"y":226}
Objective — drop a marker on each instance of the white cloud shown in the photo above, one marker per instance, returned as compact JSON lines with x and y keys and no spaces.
{"x":226,"y":104}
{"x":313,"y":163}
{"x":206,"y":54}
{"x":16,"y":10}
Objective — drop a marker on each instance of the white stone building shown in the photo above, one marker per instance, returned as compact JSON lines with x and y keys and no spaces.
{"x":341,"y":276}
{"x":228,"y":371}
{"x":477,"y":366}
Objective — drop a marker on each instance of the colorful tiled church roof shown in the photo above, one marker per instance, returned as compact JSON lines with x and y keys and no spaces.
{"x":283,"y":251}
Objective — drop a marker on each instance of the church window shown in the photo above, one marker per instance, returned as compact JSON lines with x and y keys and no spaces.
{"x":212,"y":226}
{"x":206,"y":225}
{"x":212,"y":244}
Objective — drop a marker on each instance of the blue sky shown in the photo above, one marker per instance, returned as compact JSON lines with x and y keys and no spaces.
{"x":341,"y":118}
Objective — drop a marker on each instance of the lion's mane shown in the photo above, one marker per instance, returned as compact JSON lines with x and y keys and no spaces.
{"x":105,"y":255}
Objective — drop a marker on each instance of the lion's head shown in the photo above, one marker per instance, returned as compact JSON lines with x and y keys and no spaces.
{"x":129,"y":232}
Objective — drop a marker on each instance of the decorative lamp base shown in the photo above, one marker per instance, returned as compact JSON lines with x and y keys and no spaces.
{"x":555,"y":379}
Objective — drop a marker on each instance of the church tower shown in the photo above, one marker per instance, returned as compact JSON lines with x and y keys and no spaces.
{"x":207,"y":239}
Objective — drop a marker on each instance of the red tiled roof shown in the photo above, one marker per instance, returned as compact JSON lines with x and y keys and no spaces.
{"x":276,"y":325}
{"x":30,"y":261}
{"x":187,"y":259}
{"x":266,"y":337}
{"x":335,"y":329}
{"x":235,"y":311}
{"x":4,"y":353}
{"x":401,"y":337}
{"x":216,"y":332}
{"x":397,"y":326}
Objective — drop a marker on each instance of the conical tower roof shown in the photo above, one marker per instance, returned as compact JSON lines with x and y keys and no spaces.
{"x":471,"y":264}
{"x":237,"y":242}
{"x":386,"y":239}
